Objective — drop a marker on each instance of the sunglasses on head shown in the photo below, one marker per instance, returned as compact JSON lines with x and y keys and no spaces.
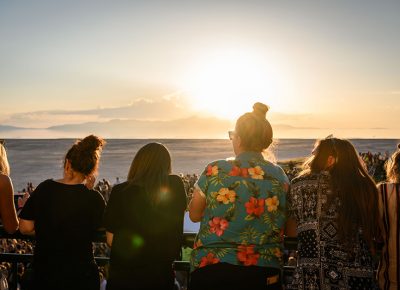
{"x":333,"y":143}
{"x":231,"y":134}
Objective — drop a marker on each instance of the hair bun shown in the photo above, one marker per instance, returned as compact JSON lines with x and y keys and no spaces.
{"x":90,"y":143}
{"x":260,"y":110}
{"x":398,"y":146}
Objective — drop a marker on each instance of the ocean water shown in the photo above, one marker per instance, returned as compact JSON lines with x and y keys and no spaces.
{"x":34,"y":160}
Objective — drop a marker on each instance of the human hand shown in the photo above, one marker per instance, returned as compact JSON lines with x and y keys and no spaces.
{"x":90,"y":180}
{"x":22,"y":200}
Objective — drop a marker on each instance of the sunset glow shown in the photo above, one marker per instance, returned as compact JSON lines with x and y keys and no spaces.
{"x":224,"y":82}
{"x":323,"y":67}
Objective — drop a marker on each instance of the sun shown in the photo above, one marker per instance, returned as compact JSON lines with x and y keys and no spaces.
{"x":227,"y":83}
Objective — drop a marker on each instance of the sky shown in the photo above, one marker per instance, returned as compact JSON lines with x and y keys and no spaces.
{"x":188,"y":69}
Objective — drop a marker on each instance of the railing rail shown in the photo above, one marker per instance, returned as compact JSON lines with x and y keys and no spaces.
{"x":188,"y":241}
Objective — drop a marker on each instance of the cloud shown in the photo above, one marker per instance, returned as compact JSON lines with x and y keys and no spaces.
{"x":166,"y":108}
{"x":382,"y":93}
{"x":285,"y":117}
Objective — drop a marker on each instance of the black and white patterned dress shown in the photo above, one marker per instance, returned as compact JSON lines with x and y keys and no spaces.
{"x":323,"y":261}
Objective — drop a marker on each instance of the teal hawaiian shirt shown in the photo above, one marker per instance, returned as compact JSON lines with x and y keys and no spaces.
{"x":245,"y":213}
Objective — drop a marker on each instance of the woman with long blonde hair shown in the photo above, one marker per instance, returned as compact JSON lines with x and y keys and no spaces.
{"x":7,"y":208}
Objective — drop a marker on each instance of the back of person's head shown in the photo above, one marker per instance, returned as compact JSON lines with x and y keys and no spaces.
{"x":352,"y":184}
{"x":4,"y":166}
{"x":84,"y":155}
{"x":254,"y":130}
{"x":317,"y":162}
{"x":152,"y":158}
{"x":393,"y":167}
{"x":150,"y":168}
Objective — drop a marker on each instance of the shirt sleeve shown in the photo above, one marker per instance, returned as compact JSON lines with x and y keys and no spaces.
{"x":292,"y":201}
{"x":112,"y":214}
{"x":29,"y":212}
{"x":282,"y":176}
{"x":178,"y":186}
{"x":98,"y":213}
{"x":202,"y":182}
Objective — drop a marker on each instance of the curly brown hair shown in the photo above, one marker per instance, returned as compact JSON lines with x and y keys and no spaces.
{"x":84,"y":155}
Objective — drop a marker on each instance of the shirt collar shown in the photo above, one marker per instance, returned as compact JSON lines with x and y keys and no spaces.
{"x":249,"y":155}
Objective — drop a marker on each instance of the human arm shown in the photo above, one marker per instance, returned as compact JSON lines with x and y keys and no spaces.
{"x":90,"y":180}
{"x":26,"y":227}
{"x":27,"y":215}
{"x":291,"y":227}
{"x":112,"y":214}
{"x":109,"y":237}
{"x":7,"y":207}
{"x":291,"y":223}
{"x":179,"y":192}
{"x":382,"y":188}
{"x":197,"y":205}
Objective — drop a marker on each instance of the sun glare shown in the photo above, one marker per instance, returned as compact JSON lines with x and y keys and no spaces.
{"x":227,"y":83}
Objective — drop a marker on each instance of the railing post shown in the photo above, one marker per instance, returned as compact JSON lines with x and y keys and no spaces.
{"x":14,"y":281}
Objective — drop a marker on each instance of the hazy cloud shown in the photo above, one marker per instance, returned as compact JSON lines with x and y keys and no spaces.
{"x":166,"y":108}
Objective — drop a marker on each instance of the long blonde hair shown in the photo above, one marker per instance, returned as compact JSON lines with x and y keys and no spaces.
{"x":393,"y":167}
{"x":4,"y":166}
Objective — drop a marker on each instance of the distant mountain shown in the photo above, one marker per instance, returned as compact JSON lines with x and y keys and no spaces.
{"x":285,"y":127}
{"x":192,"y":127}
{"x":5,"y":128}
{"x":183,"y":128}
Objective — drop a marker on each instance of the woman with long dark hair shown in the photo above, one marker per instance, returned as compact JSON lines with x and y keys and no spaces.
{"x":241,"y":204}
{"x":144,"y":222}
{"x":64,"y":214}
{"x":334,"y":203}
{"x":389,"y":216}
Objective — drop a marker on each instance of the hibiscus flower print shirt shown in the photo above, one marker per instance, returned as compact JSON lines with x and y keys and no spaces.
{"x":245,"y":213}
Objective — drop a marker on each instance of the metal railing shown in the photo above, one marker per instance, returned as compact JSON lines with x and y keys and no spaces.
{"x":188,"y":241}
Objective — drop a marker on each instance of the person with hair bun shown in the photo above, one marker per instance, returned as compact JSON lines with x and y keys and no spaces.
{"x":241,"y":204}
{"x":7,"y":208}
{"x":389,"y":222}
{"x":64,"y":214}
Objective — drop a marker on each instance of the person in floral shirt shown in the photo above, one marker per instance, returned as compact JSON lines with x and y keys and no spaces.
{"x":241,"y":204}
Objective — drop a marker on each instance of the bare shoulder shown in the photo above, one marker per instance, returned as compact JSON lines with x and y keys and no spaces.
{"x":4,"y":180}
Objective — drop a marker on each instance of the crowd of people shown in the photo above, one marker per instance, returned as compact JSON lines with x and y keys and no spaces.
{"x":338,"y":205}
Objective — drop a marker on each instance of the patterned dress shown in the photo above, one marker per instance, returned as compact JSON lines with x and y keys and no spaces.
{"x":245,"y":213}
{"x":389,"y":269}
{"x":323,"y":261}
